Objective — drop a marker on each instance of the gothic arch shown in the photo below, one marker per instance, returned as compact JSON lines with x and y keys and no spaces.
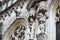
{"x":18,"y":25}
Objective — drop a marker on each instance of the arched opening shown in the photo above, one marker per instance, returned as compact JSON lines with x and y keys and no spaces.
{"x":17,"y":30}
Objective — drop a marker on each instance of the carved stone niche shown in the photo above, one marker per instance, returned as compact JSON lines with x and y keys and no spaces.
{"x":42,"y":11}
{"x":16,"y":31}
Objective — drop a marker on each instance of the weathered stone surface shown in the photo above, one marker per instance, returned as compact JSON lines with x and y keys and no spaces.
{"x":28,"y":19}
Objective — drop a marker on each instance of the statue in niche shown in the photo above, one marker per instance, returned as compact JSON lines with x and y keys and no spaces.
{"x":42,"y":26}
{"x":42,"y":20}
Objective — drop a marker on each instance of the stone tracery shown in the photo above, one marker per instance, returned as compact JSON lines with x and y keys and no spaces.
{"x":34,"y":12}
{"x":19,"y":34}
{"x":32,"y":19}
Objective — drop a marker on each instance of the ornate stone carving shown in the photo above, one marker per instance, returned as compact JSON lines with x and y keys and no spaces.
{"x":18,"y":34}
{"x":58,"y":14}
{"x":31,"y":11}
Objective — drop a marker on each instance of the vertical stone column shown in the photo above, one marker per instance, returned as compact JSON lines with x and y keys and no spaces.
{"x":51,"y":24}
{"x":36,"y":28}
